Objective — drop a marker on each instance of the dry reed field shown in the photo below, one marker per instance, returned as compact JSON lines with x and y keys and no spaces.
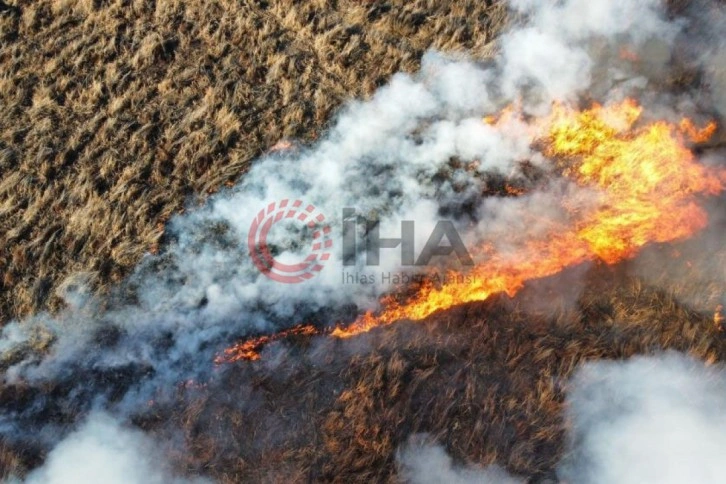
{"x":488,"y":379}
{"x":116,"y":115}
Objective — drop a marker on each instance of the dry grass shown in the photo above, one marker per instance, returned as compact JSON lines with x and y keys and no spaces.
{"x":115,"y":114}
{"x":487,"y":380}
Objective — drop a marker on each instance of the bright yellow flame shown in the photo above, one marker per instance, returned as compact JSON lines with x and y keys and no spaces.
{"x":647,"y":181}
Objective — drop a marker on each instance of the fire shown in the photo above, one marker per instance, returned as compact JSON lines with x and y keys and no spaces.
{"x":249,"y":349}
{"x":698,"y":135}
{"x":628,"y":54}
{"x":646,"y":183}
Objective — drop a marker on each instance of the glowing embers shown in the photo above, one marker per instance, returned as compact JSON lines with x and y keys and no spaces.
{"x":718,"y":318}
{"x":249,"y":349}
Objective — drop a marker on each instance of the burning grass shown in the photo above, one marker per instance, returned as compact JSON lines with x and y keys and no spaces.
{"x":648,"y":185}
{"x":486,"y":379}
{"x":135,"y":107}
{"x":646,"y":176}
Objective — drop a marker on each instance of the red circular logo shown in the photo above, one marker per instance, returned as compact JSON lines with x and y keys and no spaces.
{"x":298,"y":212}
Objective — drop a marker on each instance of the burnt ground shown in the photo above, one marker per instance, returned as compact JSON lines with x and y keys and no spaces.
{"x":487,"y":380}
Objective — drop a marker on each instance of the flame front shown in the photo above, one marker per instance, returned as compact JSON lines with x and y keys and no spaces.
{"x":249,"y":349}
{"x":646,"y":180}
{"x":646,"y":184}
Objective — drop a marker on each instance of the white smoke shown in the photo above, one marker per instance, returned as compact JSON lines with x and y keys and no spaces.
{"x":657,"y":419}
{"x":578,"y":20}
{"x":104,"y":451}
{"x":650,"y":419}
{"x":383,"y":155}
{"x":380,"y":156}
{"x":430,"y":464}
{"x":565,"y":43}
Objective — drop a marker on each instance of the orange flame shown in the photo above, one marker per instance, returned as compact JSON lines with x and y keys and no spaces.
{"x":695,"y":134}
{"x":249,"y":349}
{"x":646,"y":183}
{"x":646,"y":180}
{"x":628,"y":54}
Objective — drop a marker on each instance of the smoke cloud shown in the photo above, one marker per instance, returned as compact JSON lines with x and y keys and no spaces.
{"x":649,"y":419}
{"x":390,"y":155}
{"x":424,"y":463}
{"x":103,"y":450}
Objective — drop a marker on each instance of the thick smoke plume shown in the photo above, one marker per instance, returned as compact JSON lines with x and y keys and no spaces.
{"x":649,"y":419}
{"x":390,"y":155}
{"x":102,"y":450}
{"x":427,"y":463}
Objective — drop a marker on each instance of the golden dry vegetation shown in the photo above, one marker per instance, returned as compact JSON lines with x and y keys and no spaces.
{"x":115,"y":114}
